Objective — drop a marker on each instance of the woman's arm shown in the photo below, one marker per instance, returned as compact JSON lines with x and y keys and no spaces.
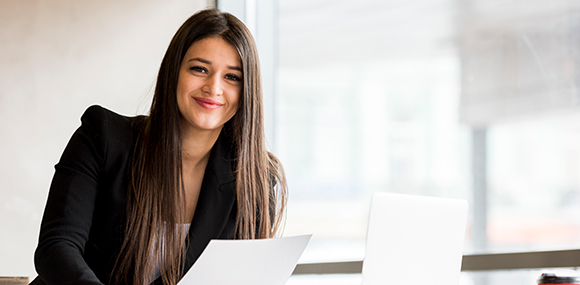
{"x":69,"y":209}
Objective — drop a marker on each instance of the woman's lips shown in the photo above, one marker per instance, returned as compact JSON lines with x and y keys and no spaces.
{"x":207,"y":103}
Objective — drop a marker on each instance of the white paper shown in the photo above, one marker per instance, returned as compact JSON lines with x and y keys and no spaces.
{"x":247,"y":262}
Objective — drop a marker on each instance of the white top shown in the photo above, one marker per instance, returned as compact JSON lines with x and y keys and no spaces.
{"x":182,"y":227}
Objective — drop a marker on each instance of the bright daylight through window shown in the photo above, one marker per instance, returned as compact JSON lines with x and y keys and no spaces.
{"x":467,"y":99}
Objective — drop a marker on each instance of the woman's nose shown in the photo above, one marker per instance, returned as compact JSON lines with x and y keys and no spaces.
{"x":214,"y":86}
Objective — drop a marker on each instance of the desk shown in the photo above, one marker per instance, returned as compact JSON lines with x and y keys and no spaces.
{"x":13,"y":280}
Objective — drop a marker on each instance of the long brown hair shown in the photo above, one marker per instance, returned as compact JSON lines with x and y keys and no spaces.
{"x":156,"y":195}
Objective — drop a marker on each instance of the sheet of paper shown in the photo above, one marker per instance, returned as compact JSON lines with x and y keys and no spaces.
{"x":247,"y":262}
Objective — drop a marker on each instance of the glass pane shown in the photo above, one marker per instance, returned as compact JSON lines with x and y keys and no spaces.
{"x":388,"y":96}
{"x":534,"y":184}
{"x":349,"y":125}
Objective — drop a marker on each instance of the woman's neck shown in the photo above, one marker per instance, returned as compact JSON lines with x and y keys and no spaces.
{"x":196,"y":145}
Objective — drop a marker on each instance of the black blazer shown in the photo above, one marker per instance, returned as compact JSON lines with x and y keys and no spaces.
{"x":83,"y":223}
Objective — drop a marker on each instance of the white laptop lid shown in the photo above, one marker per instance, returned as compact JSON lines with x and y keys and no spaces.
{"x":414,"y":240}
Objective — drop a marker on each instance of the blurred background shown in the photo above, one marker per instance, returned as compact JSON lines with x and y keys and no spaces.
{"x":470,"y":99}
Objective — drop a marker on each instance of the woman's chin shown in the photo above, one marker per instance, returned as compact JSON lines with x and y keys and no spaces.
{"x":206,"y":127}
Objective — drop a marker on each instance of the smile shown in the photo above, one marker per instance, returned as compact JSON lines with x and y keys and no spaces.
{"x":207,"y":103}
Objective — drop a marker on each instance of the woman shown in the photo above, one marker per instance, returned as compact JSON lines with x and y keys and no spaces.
{"x":137,"y":199}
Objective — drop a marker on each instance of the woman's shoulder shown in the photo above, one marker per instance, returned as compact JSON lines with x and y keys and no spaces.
{"x":112,"y":129}
{"x":96,"y":113}
{"x":111,"y":122}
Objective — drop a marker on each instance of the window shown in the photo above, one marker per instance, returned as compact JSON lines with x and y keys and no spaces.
{"x":468,"y":99}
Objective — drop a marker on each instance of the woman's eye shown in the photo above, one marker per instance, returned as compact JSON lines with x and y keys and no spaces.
{"x":198,"y":69}
{"x":233,"y":77}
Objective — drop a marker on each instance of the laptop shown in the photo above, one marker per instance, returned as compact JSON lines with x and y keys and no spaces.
{"x":414,"y":240}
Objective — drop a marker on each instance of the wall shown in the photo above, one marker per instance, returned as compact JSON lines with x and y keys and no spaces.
{"x":56,"y":59}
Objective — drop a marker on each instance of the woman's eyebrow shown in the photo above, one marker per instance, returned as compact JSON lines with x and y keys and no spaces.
{"x":235,"y":68}
{"x":232,"y":67}
{"x":200,"y":60}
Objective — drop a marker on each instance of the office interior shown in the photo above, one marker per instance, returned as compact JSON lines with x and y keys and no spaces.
{"x":469,"y":99}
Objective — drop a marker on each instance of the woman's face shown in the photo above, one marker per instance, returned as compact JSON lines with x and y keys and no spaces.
{"x":209,"y":84}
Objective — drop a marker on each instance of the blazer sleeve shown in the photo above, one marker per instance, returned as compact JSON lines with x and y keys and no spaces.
{"x":68,"y":215}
